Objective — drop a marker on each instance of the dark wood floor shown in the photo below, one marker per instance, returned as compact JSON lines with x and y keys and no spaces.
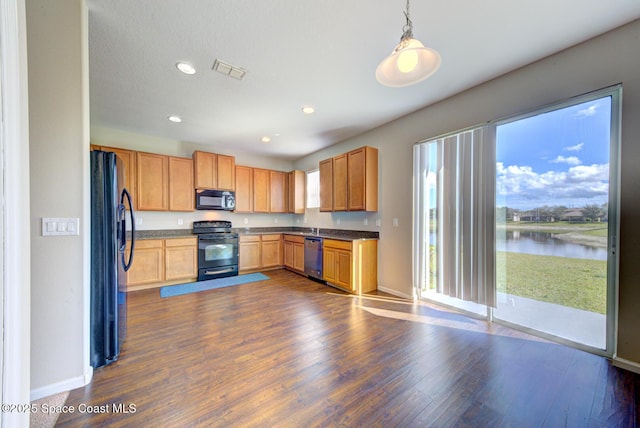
{"x":290,"y":352}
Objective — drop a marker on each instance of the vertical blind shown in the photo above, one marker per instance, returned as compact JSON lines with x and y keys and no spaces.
{"x":454,"y":220}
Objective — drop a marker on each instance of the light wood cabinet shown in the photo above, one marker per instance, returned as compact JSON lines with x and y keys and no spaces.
{"x":153,"y":181}
{"x":261,"y":190}
{"x":294,"y":252}
{"x":181,"y":190}
{"x":148,"y":263}
{"x":128,"y":158}
{"x":296,"y":190}
{"x":226,"y":172}
{"x":326,"y":185}
{"x":214,"y":171}
{"x":340,"y":184}
{"x":277,"y":192}
{"x":260,"y":252}
{"x":205,"y":170}
{"x":158,"y":262}
{"x":181,"y":258}
{"x":271,"y":251}
{"x":249,"y":258}
{"x":349,"y":182}
{"x":164,"y":183}
{"x":351,"y":265}
{"x":244,"y":189}
{"x":362,"y":170}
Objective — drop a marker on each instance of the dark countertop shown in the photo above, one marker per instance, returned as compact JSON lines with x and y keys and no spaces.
{"x":164,"y":233}
{"x":345,"y":235}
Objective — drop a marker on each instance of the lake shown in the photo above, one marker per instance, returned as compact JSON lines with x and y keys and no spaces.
{"x":544,"y":244}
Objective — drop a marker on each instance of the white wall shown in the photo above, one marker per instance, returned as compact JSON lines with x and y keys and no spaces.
{"x":14,"y":167}
{"x":604,"y":61}
{"x":59,"y":156}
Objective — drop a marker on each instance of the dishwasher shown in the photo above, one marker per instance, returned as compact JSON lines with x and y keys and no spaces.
{"x":313,"y":257}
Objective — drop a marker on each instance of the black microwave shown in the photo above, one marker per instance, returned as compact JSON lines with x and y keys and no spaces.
{"x":215,"y":200}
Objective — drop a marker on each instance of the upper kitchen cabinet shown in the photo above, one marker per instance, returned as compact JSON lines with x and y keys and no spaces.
{"x":296,"y":189}
{"x":277,"y":192}
{"x":340,"y":183}
{"x":326,"y":185}
{"x":153,"y":182}
{"x":362,"y":179}
{"x":349,"y":182}
{"x":128,"y":158}
{"x":165,"y":183}
{"x":181,"y":194}
{"x":261,"y":190}
{"x":214,"y":171}
{"x":244,"y":189}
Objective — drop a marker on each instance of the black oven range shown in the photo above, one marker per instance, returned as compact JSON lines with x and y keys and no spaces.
{"x":218,"y":249}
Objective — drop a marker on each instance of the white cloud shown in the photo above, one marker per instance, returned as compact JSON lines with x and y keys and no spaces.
{"x":521,"y":187}
{"x":589,"y":111}
{"x":571,"y":160}
{"x":575,"y":148}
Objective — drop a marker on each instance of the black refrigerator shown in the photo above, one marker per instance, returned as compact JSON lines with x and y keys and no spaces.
{"x":110,"y":207}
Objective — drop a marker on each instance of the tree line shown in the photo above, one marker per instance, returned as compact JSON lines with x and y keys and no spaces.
{"x":546,"y":213}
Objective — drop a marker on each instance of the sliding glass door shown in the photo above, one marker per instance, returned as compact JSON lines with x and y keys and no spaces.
{"x":555,"y":227}
{"x":516,"y":220}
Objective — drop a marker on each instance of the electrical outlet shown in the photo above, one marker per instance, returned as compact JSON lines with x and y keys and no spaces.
{"x":275,"y":220}
{"x":365,"y":222}
{"x":378,"y":222}
{"x":138,"y":221}
{"x":179,"y":222}
{"x":395,"y":222}
{"x":246,"y":220}
{"x":338,"y":221}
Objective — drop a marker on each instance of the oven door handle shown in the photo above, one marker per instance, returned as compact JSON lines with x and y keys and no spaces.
{"x":213,"y":272}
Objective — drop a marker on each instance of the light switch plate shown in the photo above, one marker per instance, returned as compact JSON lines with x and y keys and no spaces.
{"x":57,"y":226}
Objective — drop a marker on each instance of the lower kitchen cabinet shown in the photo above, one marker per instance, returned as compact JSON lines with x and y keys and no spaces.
{"x":158,"y":262}
{"x":148,"y":263}
{"x":294,"y":252}
{"x":260,"y":252}
{"x":249,"y":258}
{"x":271,"y":251}
{"x":181,"y":258}
{"x":351,"y":265}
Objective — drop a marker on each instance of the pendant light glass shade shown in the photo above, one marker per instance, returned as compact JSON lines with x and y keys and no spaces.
{"x":410,"y":62}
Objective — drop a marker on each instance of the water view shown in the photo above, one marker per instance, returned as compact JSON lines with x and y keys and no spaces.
{"x":546,"y":244}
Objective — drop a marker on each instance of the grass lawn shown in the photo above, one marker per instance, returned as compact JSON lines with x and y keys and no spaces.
{"x":576,"y":283}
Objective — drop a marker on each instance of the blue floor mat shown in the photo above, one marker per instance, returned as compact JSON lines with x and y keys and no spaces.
{"x":194,"y":287}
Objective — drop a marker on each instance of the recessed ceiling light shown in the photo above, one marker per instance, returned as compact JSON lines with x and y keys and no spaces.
{"x":186,"y":68}
{"x":308,"y":110}
{"x":175,"y":119}
{"x":265,"y":139}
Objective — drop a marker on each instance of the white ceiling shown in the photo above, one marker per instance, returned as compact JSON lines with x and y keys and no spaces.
{"x":305,"y":52}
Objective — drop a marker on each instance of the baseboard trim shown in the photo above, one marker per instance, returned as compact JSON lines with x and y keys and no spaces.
{"x":626,"y":364}
{"x":394,"y":292}
{"x":62,"y":386}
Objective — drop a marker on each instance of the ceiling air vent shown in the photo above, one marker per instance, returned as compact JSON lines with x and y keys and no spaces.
{"x":229,"y":70}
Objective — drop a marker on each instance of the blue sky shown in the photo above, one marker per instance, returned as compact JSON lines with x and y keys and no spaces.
{"x":556,"y":158}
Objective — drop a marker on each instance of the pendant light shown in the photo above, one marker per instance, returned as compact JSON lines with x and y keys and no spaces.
{"x":410,"y":62}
